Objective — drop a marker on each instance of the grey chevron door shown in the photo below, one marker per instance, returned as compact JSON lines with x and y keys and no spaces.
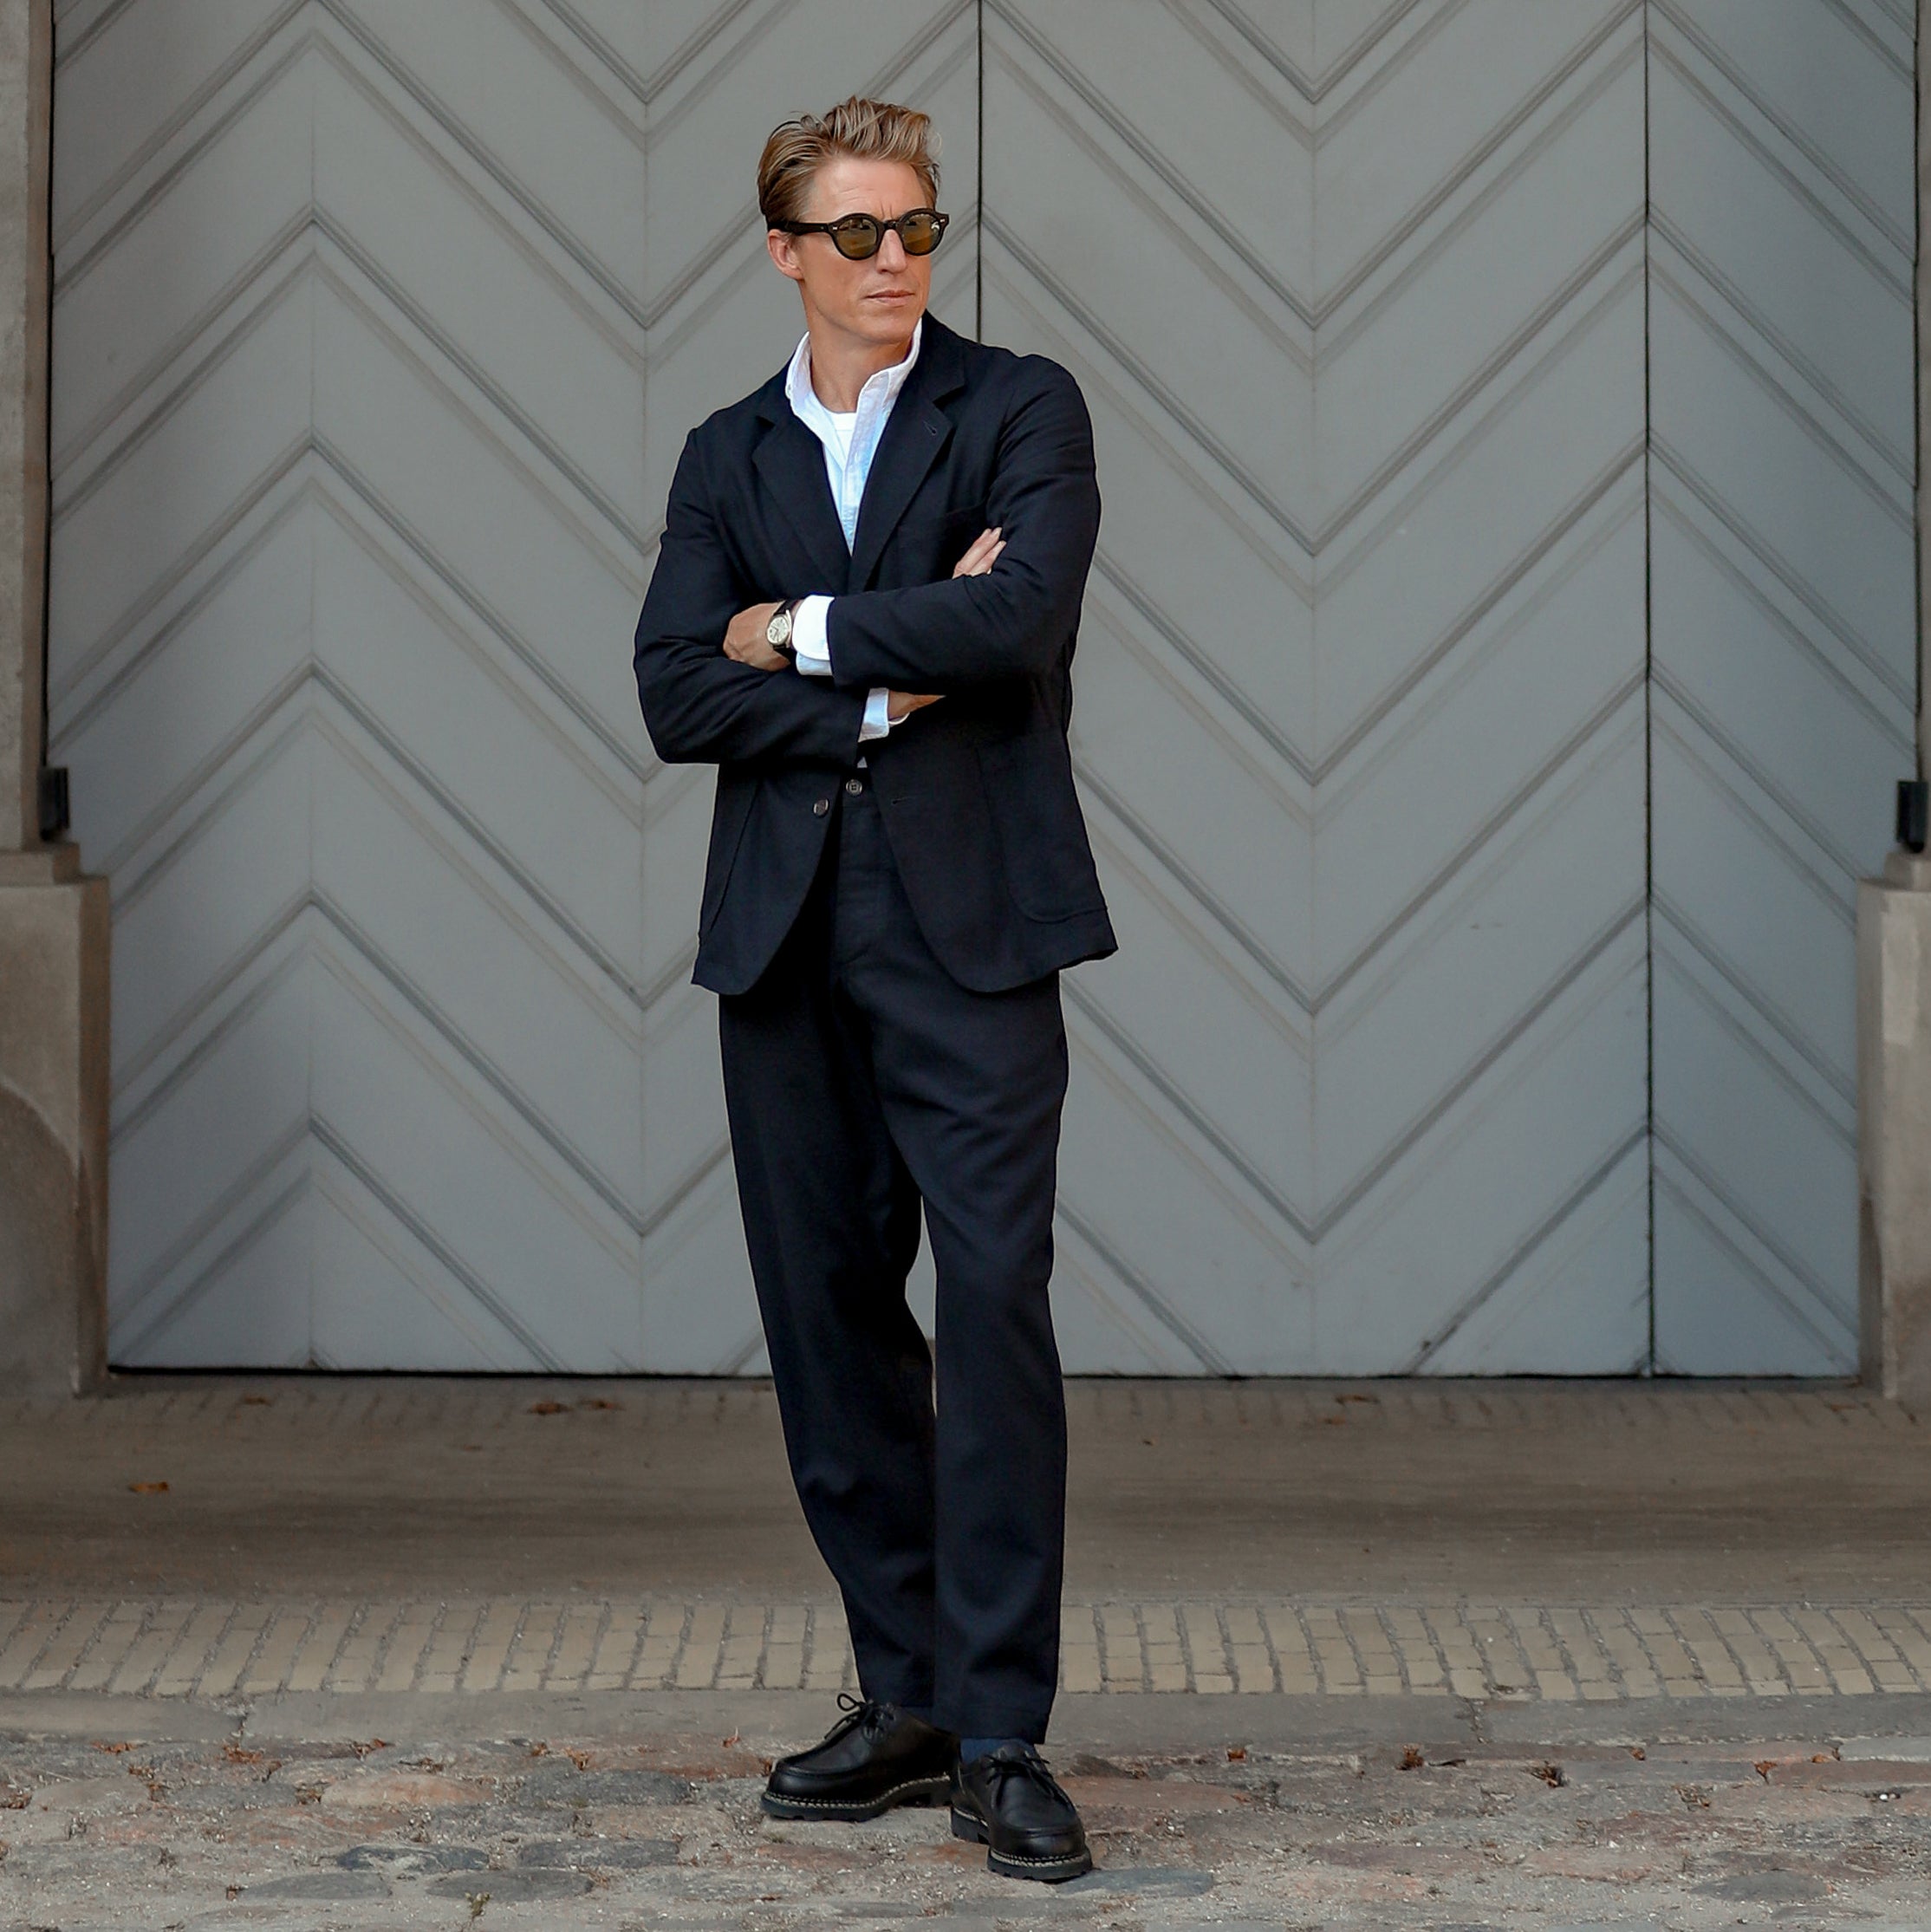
{"x":1356,"y":294}
{"x":379,"y":325}
{"x":1491,"y":678}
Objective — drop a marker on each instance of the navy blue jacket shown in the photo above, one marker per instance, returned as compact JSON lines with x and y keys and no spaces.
{"x":976,"y":792}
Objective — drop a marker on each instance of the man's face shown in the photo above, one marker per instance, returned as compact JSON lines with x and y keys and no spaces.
{"x":877,"y":301}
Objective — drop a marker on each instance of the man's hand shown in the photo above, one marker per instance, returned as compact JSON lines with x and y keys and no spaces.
{"x":745,"y":640}
{"x":980,"y":558}
{"x":977,"y":560}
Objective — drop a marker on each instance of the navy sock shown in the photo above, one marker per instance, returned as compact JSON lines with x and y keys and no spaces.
{"x":970,"y":1748}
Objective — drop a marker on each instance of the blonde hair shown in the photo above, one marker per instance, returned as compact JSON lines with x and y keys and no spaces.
{"x":868,"y":130}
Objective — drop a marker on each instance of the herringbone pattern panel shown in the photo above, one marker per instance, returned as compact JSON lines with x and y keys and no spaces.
{"x":1783,"y":634}
{"x":1357,"y":294}
{"x":378,"y":332}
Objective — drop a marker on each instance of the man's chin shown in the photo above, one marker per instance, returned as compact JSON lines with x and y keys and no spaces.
{"x":888,"y":322}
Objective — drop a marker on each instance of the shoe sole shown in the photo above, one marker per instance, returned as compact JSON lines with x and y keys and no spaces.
{"x":915,"y":1791}
{"x":1052,"y":1871}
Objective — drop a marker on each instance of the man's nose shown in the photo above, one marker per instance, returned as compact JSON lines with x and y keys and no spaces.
{"x":891,"y":251}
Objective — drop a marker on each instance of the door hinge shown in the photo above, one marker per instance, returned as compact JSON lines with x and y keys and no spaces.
{"x":54,"y":817}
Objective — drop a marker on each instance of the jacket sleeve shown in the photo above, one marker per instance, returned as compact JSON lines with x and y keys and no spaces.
{"x":701,"y":707}
{"x":1013,"y":622}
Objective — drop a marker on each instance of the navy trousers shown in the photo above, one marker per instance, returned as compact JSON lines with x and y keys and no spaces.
{"x":861,"y":1081}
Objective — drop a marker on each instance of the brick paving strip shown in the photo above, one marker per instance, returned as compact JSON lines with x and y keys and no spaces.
{"x":172,"y":1647}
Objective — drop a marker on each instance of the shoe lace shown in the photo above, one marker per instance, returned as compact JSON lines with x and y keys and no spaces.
{"x":861,"y":1713}
{"x":1029,"y":1766}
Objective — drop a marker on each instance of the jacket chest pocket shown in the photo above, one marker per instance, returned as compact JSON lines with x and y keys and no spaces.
{"x":924,"y":549}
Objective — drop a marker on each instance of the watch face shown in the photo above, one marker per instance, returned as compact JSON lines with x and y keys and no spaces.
{"x":779,"y":631}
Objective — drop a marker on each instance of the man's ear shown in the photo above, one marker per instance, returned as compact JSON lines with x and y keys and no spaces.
{"x":783,"y":249}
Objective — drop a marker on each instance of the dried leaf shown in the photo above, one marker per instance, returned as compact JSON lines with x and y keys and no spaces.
{"x":1412,"y":1759}
{"x":148,"y":1488}
{"x":545,"y":1408}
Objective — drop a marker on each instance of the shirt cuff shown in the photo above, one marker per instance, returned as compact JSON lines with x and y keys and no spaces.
{"x":808,"y":639}
{"x":878,"y":720}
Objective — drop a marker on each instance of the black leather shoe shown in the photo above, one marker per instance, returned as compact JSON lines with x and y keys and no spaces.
{"x":1010,"y":1802}
{"x":875,"y":1756}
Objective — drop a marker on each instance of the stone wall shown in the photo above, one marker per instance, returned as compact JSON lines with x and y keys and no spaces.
{"x":53,"y":921}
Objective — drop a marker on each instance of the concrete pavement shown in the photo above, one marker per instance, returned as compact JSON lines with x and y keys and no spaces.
{"x":1535,"y":1493}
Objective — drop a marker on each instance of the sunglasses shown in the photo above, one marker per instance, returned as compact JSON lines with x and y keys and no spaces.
{"x":858,"y":237}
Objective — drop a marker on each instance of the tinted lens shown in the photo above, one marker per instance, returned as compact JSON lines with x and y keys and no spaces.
{"x":920,"y":231}
{"x":858,"y":237}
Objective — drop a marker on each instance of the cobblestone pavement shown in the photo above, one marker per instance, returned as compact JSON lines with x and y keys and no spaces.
{"x":216,"y":1821}
{"x":199,"y":1648}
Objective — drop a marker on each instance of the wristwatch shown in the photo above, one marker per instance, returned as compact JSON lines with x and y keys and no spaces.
{"x":777,"y":632}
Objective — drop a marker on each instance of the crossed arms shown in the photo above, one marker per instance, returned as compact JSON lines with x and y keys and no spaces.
{"x":1009,"y":620}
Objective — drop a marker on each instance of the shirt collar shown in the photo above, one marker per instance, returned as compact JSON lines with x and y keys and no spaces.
{"x":880,"y":390}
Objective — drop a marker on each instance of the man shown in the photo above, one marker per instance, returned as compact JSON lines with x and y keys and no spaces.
{"x":864,"y":612}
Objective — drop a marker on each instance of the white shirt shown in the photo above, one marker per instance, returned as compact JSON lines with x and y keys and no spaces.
{"x":850,"y":439}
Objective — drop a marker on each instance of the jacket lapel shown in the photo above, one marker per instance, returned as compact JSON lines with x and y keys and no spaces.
{"x":791,"y":461}
{"x":916,"y":435}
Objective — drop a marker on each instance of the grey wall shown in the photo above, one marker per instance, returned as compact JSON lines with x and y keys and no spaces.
{"x":378,"y":324}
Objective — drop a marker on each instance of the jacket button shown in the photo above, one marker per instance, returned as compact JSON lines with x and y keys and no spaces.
{"x":821,"y":806}
{"x":855,"y":786}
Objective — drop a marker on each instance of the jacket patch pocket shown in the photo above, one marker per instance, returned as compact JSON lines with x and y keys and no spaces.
{"x":1028,"y":790}
{"x":729,"y":816}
